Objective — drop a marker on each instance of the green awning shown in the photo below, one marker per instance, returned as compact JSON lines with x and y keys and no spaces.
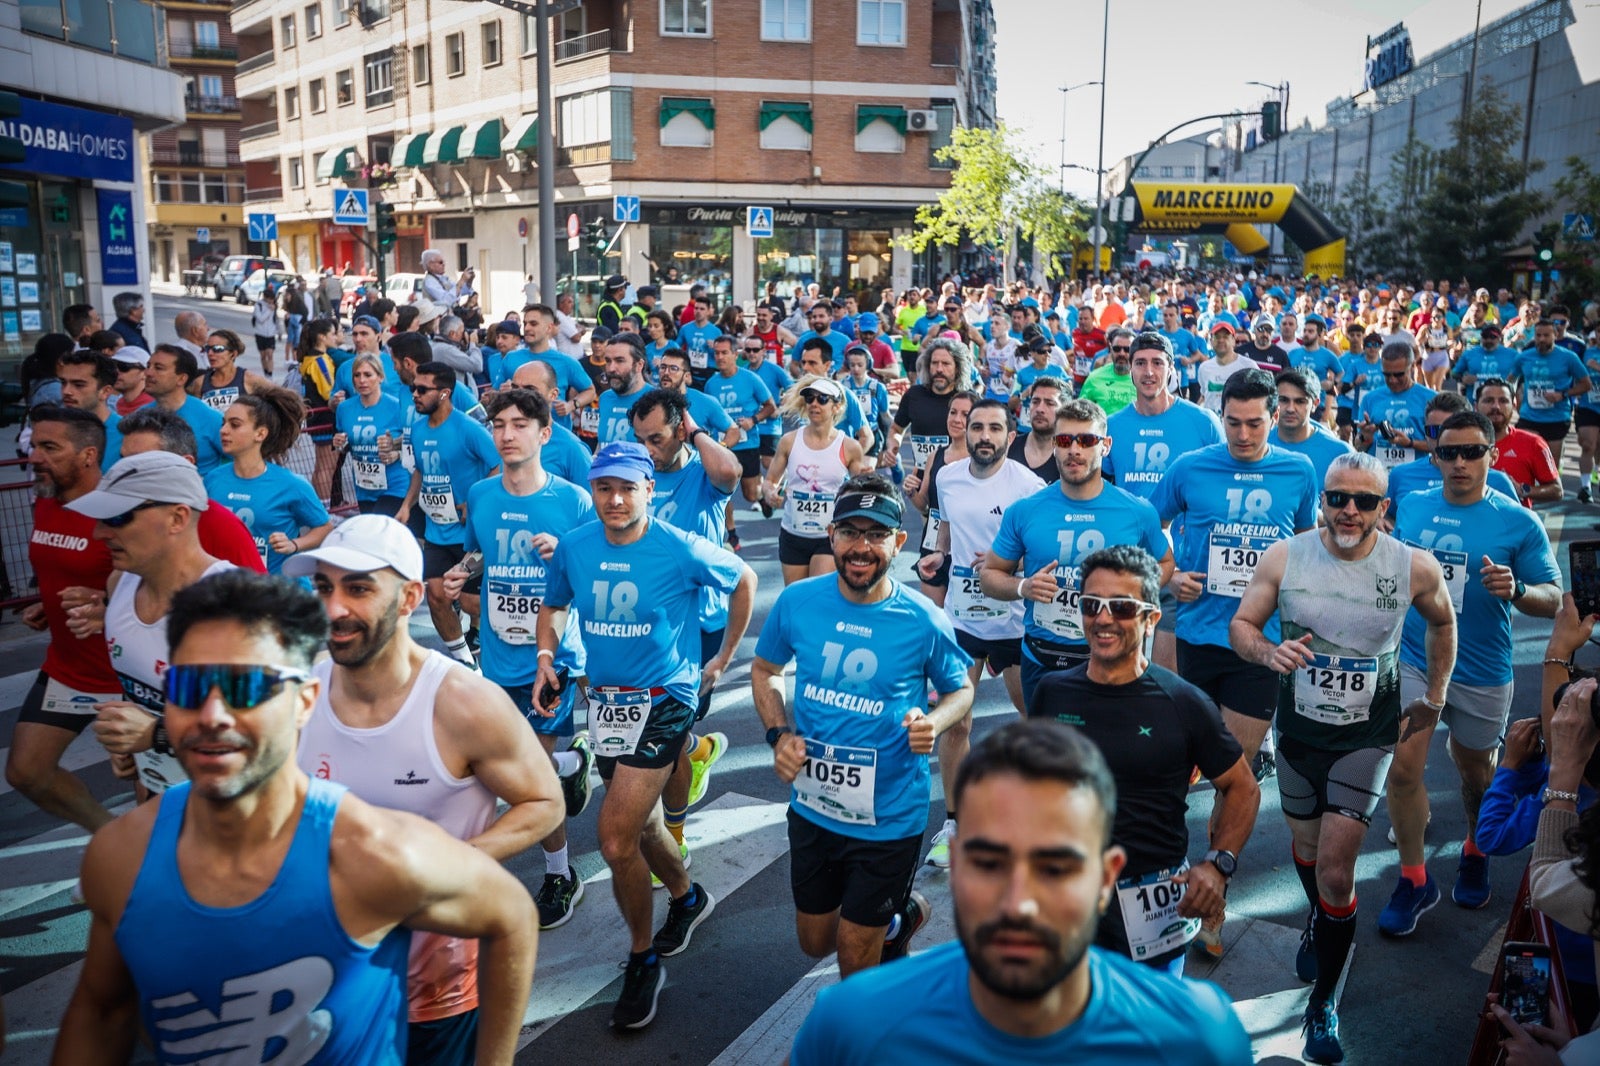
{"x":773,"y":110}
{"x":523,"y":137}
{"x":443,"y":145}
{"x":481,"y":139}
{"x":407,"y":151}
{"x":867,"y":114}
{"x":699,"y":107}
{"x":337,"y":163}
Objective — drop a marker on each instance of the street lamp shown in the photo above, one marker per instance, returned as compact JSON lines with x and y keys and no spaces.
{"x":1100,"y":157}
{"x":1064,"y":90}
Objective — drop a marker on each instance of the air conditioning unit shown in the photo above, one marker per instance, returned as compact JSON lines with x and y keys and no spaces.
{"x":516,"y":162}
{"x":922,"y":121}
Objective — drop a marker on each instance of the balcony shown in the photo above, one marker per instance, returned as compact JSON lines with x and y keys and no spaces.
{"x":586,"y":45}
{"x":255,"y":62}
{"x":188,"y":50}
{"x":210,"y":105}
{"x":260,"y":129}
{"x":170,"y":157}
{"x":271,"y":192}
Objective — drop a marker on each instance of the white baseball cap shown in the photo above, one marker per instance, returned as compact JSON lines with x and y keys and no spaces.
{"x":364,"y":543}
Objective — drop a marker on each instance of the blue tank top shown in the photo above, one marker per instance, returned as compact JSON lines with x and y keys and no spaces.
{"x":277,"y":980}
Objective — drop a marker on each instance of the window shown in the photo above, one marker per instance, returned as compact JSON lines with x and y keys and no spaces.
{"x":319,"y":96}
{"x":585,"y":119}
{"x":210,"y":87}
{"x":291,"y":102}
{"x":686,"y":17}
{"x":491,"y":43}
{"x":1188,"y":171}
{"x":215,"y":189}
{"x":785,"y":125}
{"x":373,"y":11}
{"x":530,"y":35}
{"x":574,"y":23}
{"x":379,"y":71}
{"x":313,"y":22}
{"x":341,"y":12}
{"x":786,"y":20}
{"x":621,"y":122}
{"x":344,"y":87}
{"x":881,"y":22}
{"x":297,"y":173}
{"x":687,"y":122}
{"x":316,"y":168}
{"x":421,"y":69}
{"x":880,"y":128}
{"x":1142,"y":172}
{"x":455,"y":55}
{"x":944,"y":135}
{"x":206,"y":35}
{"x":1166,"y":172}
{"x":286,"y":31}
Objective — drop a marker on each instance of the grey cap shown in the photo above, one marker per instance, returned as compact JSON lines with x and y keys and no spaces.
{"x":153,"y":477}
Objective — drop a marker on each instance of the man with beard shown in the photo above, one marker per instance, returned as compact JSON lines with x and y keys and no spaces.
{"x":1154,"y":729}
{"x":925,"y":406}
{"x":820,"y":318}
{"x":405,"y":728}
{"x":1036,"y":450}
{"x":1522,"y":456}
{"x":1111,"y":386}
{"x":625,"y":375}
{"x":258,"y":913}
{"x":1340,"y":710}
{"x":855,"y":746}
{"x":1212,"y":375}
{"x":973,"y":495}
{"x":1033,"y":869}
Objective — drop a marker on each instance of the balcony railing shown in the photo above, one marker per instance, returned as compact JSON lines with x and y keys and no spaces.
{"x":187,"y":50}
{"x":260,"y":129}
{"x":168,"y":157}
{"x":210,"y":105}
{"x":588,"y":44}
{"x":255,"y":62}
{"x":272,"y":192}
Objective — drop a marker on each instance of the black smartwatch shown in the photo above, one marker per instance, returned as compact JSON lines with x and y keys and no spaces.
{"x":1518,"y":590}
{"x":775,"y":732}
{"x":697,"y":431}
{"x":1226,"y":862}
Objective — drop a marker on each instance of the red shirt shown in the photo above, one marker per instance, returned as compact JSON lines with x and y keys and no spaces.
{"x":1525,"y":458}
{"x":127,"y":407}
{"x":883,"y":356}
{"x":769,"y":340}
{"x":64,"y":553}
{"x":225,"y":537}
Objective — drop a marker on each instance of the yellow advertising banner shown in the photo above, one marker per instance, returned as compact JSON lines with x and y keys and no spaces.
{"x":1211,"y":204}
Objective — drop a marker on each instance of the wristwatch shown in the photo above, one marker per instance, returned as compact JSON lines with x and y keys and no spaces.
{"x":1518,"y":590}
{"x":775,"y":732}
{"x":697,"y":431}
{"x":1226,"y":862}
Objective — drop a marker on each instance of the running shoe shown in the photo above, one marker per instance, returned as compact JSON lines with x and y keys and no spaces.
{"x":1305,"y":958}
{"x":1322,"y":1034}
{"x":914,"y":917}
{"x":683,"y":853}
{"x":682,"y":921}
{"x":576,"y":787}
{"x":700,"y":769}
{"x":1472,"y":882}
{"x":1210,"y":937}
{"x":557,"y":899}
{"x":641,"y":988}
{"x":1583,"y":493}
{"x":939,"y":854}
{"x":1399,"y":917}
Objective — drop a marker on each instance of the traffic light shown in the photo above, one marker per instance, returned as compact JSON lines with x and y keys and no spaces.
{"x":595,"y":236}
{"x":386,"y":230}
{"x":1271,"y":120}
{"x":11,"y":149}
{"x":1546,"y":254}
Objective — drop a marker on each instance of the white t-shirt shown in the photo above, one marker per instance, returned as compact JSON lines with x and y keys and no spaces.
{"x":1213,"y":376}
{"x":566,"y":340}
{"x":972,"y":509}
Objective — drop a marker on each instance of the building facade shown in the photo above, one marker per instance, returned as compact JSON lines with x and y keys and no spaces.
{"x":91,"y":75}
{"x":827,"y":111}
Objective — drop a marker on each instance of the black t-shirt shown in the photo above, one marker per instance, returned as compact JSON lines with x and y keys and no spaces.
{"x":1270,"y":354}
{"x":1048,"y":471}
{"x":925,"y":411}
{"x":1152,"y":732}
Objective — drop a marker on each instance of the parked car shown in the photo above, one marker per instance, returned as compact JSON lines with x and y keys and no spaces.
{"x":236,"y":268}
{"x":352,"y":283}
{"x":403,"y":288}
{"x":248,"y":291}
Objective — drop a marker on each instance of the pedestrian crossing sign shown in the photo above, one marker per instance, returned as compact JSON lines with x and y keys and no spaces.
{"x":758,"y":221}
{"x":350,"y":207}
{"x":1577,"y":227}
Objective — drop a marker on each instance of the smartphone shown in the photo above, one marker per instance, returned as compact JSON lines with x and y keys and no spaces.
{"x":1584,"y":556}
{"x":549,"y":693}
{"x":1525,"y":982}
{"x":472,"y":563}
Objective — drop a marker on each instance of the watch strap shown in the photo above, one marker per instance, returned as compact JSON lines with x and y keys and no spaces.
{"x":776,"y":733}
{"x":1558,"y":794}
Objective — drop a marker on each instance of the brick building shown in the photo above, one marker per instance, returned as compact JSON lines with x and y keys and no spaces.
{"x":828,"y":111}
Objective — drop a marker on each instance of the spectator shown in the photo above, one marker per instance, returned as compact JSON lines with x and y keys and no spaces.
{"x":129,"y":323}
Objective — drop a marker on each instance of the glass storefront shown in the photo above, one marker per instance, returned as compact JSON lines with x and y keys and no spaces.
{"x":847,"y":259}
{"x":693,"y":255}
{"x":41,"y":266}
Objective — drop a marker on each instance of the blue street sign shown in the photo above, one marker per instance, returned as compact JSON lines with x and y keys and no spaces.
{"x":625,"y":209}
{"x":1577,"y":227}
{"x":202,"y":235}
{"x":262,"y":227}
{"x":758,"y":221}
{"x":350,"y":207}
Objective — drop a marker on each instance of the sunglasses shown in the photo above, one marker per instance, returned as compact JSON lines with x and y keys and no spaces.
{"x":216,"y":348}
{"x":119,"y":520}
{"x":1365,"y":501}
{"x":755,"y":349}
{"x":1470,"y":452}
{"x":1124,"y":350}
{"x":814,"y":396}
{"x":1082,"y":440}
{"x":1122,"y":608}
{"x":423,"y":390}
{"x":1432,"y":432}
{"x":242,"y":687}
{"x":1557,"y":321}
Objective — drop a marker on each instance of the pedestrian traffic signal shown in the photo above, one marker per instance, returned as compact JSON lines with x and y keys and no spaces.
{"x":386,"y":230}
{"x":1546,"y":254}
{"x":11,"y":149}
{"x":1271,"y":120}
{"x":595,"y":236}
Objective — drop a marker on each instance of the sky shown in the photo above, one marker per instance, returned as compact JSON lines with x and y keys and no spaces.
{"x":1169,"y":60}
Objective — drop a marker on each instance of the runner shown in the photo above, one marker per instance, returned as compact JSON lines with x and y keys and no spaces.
{"x":1340,"y":703}
{"x":1390,"y":420}
{"x":564,"y":454}
{"x":640,"y":581}
{"x":370,"y":428}
{"x":278,"y":506}
{"x":975,"y":493}
{"x":1025,"y":985}
{"x":167,"y":379}
{"x":820,"y":318}
{"x":923,"y":491}
{"x":1421,"y":474}
{"x":453,"y":453}
{"x":1154,"y":729}
{"x":87,"y":381}
{"x":1520,"y":455}
{"x":694,"y":340}
{"x":945,"y":367}
{"x":1297,"y":430}
{"x":1110,"y":386}
{"x":224,"y":380}
{"x":814,"y":359}
{"x":673,"y":368}
{"x":746,"y":400}
{"x":1036,"y":450}
{"x":817,"y":458}
{"x":855,"y":747}
{"x":761,"y":360}
{"x":384,"y":702}
{"x":871,"y":395}
{"x":625,"y":372}
{"x":1211,"y":376}
{"x":191,"y":897}
{"x":1495,"y":554}
{"x":1363,"y":370}
{"x":1552,"y":377}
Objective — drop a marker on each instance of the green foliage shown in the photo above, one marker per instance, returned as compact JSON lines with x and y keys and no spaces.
{"x":1578,"y":191}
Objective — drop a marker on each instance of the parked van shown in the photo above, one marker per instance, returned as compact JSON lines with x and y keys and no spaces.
{"x":236,"y":268}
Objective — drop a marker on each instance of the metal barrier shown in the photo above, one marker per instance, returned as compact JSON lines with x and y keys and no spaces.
{"x":302,"y":460}
{"x":17,"y":584}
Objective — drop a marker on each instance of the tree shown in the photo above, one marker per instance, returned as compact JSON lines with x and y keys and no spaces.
{"x":995,"y":193}
{"x":1390,"y":243}
{"x":1478,"y":205}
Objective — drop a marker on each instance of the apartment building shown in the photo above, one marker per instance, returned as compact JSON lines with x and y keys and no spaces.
{"x":828,"y":111}
{"x":196,"y":184}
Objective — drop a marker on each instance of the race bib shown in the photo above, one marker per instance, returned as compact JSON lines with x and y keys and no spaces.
{"x":513,"y":609}
{"x":811,"y":511}
{"x":967,"y":601}
{"x":159,"y":771}
{"x":1536,"y":398}
{"x":1392,"y":455}
{"x":1062,"y":616}
{"x":1082,"y":365}
{"x":261,"y":546}
{"x":698,"y":359}
{"x":1150,"y":913}
{"x":618,"y":718}
{"x":1231,"y":563}
{"x":1336,"y":690}
{"x":408,"y":458}
{"x":930,"y":530}
{"x":589,"y":421}
{"x":370,"y":475}
{"x":1454,"y":566}
{"x":440,"y":505}
{"x":838,"y":782}
{"x":220,"y":400}
{"x":922,"y":449}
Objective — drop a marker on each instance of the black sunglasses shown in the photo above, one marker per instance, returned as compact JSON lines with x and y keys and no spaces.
{"x":815,"y":396}
{"x":1122,"y":608}
{"x":419,"y":390}
{"x":242,"y":686}
{"x":1470,"y":452}
{"x":117,"y":521}
{"x":1083,"y":440}
{"x":1124,"y":350}
{"x":1365,"y":501}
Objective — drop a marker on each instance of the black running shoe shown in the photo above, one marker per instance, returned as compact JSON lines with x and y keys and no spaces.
{"x":641,"y":988}
{"x":914,"y":917}
{"x":558,"y":898}
{"x":674,"y":934}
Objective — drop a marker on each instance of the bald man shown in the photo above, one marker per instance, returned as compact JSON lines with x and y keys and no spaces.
{"x":193,"y":331}
{"x":564,"y":455}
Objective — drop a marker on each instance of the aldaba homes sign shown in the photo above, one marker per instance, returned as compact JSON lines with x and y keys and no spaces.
{"x":71,"y":142}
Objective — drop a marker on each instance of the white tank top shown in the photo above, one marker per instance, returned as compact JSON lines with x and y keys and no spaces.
{"x":397,"y":765}
{"x":139,"y":654}
{"x":812,"y":478}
